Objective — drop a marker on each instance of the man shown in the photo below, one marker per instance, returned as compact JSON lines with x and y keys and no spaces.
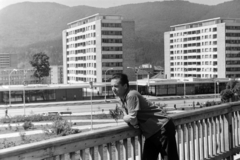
{"x":157,"y":128}
{"x":6,"y":113}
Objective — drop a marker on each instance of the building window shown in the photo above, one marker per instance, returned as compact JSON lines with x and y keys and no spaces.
{"x":112,"y":25}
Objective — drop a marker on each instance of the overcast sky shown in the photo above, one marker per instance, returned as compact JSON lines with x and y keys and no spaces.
{"x":101,"y":3}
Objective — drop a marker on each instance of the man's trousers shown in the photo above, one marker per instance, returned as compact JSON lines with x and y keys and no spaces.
{"x":162,"y":142}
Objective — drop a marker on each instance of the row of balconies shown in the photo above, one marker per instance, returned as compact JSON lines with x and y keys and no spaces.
{"x":196,"y":64}
{"x":195,"y":32}
{"x":195,"y":70}
{"x":193,"y":45}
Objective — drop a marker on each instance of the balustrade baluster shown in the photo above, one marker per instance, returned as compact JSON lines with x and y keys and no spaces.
{"x":109,"y":151}
{"x":205,"y":137}
{"x":73,"y":156}
{"x":186,"y":142}
{"x":210,"y":126}
{"x":100,"y":152}
{"x":235,"y":135}
{"x":91,"y":153}
{"x":201,"y":141}
{"x":222,"y":124}
{"x":195,"y":131}
{"x":82,"y":154}
{"x":230,"y":134}
{"x":58,"y":158}
{"x":238,"y":127}
{"x":192,"y":141}
{"x":140,"y":147}
{"x":177,"y":137}
{"x":233,"y":129}
{"x":226,"y":132}
{"x":133,"y":151}
{"x":67,"y":156}
{"x":125,"y":149}
{"x":181,"y":145}
{"x":62,"y":157}
{"x":218,"y":135}
{"x":117,"y":151}
{"x":214,"y":135}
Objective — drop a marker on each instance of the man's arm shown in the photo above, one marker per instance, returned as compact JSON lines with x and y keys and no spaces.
{"x":132,"y":107}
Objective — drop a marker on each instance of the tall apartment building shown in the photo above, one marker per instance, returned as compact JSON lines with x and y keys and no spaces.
{"x":56,"y":74}
{"x":203,"y":49}
{"x":96,"y":45}
{"x":6,"y":60}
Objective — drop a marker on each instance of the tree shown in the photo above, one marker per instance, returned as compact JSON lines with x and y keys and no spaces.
{"x":40,"y":62}
{"x":231,"y":84}
{"x":226,"y":95}
{"x":231,"y":92}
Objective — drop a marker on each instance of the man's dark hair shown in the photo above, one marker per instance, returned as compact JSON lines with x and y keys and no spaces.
{"x":123,"y":78}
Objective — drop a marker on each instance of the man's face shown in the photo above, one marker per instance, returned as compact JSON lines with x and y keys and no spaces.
{"x":117,"y":88}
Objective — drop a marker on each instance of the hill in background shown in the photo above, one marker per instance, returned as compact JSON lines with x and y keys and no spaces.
{"x":27,"y":28}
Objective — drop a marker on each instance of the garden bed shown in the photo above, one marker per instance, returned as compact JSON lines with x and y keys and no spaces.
{"x":55,"y":126}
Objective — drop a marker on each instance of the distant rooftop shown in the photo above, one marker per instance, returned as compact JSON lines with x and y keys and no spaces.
{"x":205,"y":22}
{"x":93,"y":18}
{"x":158,"y":68}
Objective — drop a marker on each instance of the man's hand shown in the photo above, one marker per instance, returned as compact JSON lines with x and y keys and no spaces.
{"x":131,"y":120}
{"x":126,"y":118}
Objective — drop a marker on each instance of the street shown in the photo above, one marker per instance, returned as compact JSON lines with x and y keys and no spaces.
{"x":96,"y":107}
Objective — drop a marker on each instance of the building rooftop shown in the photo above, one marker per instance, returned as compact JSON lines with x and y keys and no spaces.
{"x":206,"y":20}
{"x":92,"y":16}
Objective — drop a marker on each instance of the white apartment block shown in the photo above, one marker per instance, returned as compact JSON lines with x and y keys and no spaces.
{"x":5,"y":60}
{"x":96,"y":46}
{"x":56,"y":74}
{"x":203,"y":49}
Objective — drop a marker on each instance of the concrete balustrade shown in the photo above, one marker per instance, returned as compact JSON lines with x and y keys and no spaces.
{"x":207,"y":133}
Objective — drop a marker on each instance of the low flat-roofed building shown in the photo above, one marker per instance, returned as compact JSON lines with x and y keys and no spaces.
{"x":11,"y":76}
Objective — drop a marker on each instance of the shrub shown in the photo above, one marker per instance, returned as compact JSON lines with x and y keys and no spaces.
{"x":32,"y":118}
{"x":6,"y":144}
{"x":28,"y":125}
{"x":23,"y":136}
{"x":16,"y":129}
{"x":219,"y":102}
{"x":213,"y":103}
{"x":116,"y":113}
{"x":63,"y":127}
{"x":226,"y":95}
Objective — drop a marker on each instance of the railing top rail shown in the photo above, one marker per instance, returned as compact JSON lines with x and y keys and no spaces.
{"x":203,"y":113}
